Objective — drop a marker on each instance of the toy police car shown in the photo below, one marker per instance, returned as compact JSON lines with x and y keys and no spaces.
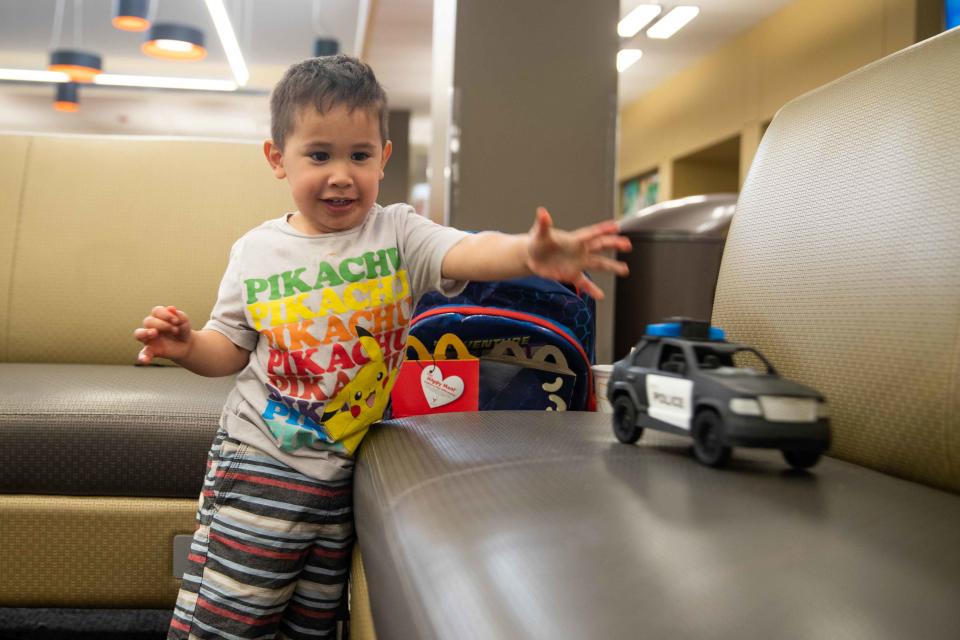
{"x":683,"y":377}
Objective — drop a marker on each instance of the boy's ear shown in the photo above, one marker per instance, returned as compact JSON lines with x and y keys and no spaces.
{"x":275,"y":158}
{"x":387,"y":150}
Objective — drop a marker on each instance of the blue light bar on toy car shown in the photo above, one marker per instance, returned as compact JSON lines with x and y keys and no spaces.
{"x":685,"y":330}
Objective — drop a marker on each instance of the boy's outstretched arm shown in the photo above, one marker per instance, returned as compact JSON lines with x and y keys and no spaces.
{"x":166,"y":333}
{"x":544,"y":251}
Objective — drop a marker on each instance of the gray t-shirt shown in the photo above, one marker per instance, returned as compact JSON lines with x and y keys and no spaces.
{"x":326,"y":319}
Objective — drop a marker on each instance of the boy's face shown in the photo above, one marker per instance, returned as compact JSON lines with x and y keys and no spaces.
{"x":334,"y":163}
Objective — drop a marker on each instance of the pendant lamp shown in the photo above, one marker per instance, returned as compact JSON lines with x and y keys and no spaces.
{"x":79,"y":65}
{"x":170,"y":41}
{"x":325,"y":47}
{"x":68,"y":99}
{"x":131,"y":15}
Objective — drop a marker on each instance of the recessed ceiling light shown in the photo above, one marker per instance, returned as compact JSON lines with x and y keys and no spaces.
{"x":131,"y":15}
{"x":626,"y":57}
{"x":675,"y":20}
{"x":174,"y":42}
{"x":637,"y":19}
{"x":325,"y":47}
{"x":68,"y":99}
{"x":79,"y":65}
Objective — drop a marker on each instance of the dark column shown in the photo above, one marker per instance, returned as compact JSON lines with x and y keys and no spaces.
{"x":395,"y":186}
{"x":532,"y":118}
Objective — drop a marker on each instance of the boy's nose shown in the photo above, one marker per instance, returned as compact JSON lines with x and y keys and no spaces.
{"x":340,"y":177}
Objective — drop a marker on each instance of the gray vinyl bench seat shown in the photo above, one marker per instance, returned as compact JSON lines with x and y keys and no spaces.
{"x":542,"y":525}
{"x":106,"y":430}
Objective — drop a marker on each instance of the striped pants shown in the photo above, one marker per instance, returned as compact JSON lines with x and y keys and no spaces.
{"x":271,"y":553}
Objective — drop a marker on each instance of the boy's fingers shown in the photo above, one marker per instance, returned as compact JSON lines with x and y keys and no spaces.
{"x":607,"y":227}
{"x":603,"y":263}
{"x":174,"y":314}
{"x":543,"y":222}
{"x":161,"y":312}
{"x":153,"y":322}
{"x":589,"y":286}
{"x":144,"y":335}
{"x":602,"y":243}
{"x":145,"y":356}
{"x":167,"y":313}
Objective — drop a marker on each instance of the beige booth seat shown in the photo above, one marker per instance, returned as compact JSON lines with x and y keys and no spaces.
{"x":101,"y":460}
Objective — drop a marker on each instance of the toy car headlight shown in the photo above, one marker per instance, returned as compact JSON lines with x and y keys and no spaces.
{"x":822,"y":410}
{"x":745,"y":407}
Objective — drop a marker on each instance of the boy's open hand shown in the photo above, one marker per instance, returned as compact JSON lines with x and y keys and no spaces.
{"x":565,"y":255}
{"x":166,"y":334}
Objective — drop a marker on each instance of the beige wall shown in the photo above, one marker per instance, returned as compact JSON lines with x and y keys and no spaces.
{"x":734,"y":90}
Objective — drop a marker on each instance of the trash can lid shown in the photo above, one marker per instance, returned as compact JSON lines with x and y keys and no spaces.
{"x":706,"y":216}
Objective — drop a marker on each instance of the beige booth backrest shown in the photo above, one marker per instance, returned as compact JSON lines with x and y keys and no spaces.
{"x":843,"y":260}
{"x":95,"y":231}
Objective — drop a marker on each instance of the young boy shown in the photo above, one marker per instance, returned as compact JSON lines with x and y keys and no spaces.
{"x":313,"y":312}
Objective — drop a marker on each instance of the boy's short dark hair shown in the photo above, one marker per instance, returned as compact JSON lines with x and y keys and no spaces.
{"x":325,"y":83}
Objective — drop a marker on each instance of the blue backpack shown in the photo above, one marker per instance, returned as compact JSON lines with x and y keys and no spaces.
{"x":535,"y":339}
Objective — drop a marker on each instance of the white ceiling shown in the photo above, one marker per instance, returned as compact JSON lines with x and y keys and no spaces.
{"x":272,"y":35}
{"x":270,"y":32}
{"x":719,"y":21}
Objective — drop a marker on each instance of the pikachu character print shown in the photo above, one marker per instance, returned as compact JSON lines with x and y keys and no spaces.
{"x":363,"y":401}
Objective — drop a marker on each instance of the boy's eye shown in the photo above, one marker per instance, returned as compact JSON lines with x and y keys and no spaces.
{"x":319,"y":156}
{"x":360,"y":156}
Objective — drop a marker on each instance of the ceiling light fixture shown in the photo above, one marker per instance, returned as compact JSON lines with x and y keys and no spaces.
{"x":626,"y":57}
{"x":637,"y":19}
{"x":325,"y":47}
{"x":68,"y":99}
{"x":673,"y":22}
{"x":218,"y":13}
{"x":79,"y":65}
{"x":163,"y":82}
{"x":131,"y":15}
{"x":224,"y":30}
{"x":170,"y":41}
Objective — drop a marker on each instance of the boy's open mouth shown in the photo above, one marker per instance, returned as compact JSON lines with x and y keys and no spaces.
{"x":338,"y":202}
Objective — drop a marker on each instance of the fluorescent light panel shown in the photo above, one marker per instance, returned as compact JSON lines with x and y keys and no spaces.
{"x":673,"y":22}
{"x":162,"y":82}
{"x":29,"y":75}
{"x":626,"y":57}
{"x":637,"y":19}
{"x":229,"y":40}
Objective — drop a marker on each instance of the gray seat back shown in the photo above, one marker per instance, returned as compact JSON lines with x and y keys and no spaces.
{"x":843,"y":260}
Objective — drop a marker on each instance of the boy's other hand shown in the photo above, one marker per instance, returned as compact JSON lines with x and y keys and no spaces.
{"x":165,"y":333}
{"x":565,"y":255}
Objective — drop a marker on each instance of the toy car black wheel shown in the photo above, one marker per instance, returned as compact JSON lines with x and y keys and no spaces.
{"x":708,"y":446}
{"x":625,"y":420}
{"x":801,"y":459}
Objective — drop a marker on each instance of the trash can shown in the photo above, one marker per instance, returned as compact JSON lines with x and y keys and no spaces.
{"x":674,"y":264}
